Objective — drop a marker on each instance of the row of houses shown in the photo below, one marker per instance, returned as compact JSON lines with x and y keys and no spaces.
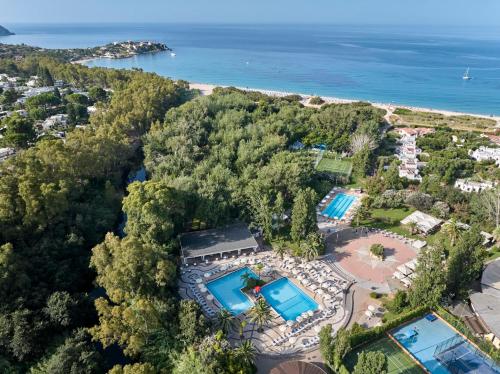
{"x":407,"y":152}
{"x":486,"y":154}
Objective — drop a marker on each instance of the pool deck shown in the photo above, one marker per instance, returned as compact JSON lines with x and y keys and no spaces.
{"x":278,"y":338}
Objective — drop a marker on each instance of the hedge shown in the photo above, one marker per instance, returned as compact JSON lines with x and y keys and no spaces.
{"x":485,"y":345}
{"x":379,"y":331}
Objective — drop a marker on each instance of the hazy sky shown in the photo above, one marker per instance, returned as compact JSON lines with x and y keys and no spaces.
{"x":455,"y":12}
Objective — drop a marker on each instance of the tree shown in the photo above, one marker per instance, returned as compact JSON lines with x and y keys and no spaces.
{"x":361,"y":161}
{"x":260,"y":313}
{"x":326,"y":344}
{"x":19,"y":132}
{"x":44,"y":76}
{"x":61,"y":309}
{"x":373,"y":362}
{"x":241,"y":327}
{"x":399,"y":302}
{"x":137,"y":368}
{"x":246,"y":352}
{"x":430,"y":283}
{"x":259,"y":267}
{"x":76,"y":355}
{"x":303,"y":215}
{"x":465,"y":262}
{"x":97,"y":93}
{"x":341,"y":347}
{"x":279,"y":248}
{"x":490,"y":200}
{"x":313,"y":246}
{"x":452,"y":230}
{"x":361,"y":141}
{"x":225,"y":321}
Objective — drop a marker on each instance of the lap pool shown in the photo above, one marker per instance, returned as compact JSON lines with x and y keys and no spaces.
{"x":441,"y":349}
{"x":287,"y":299}
{"x":339,"y":206}
{"x":227,"y":290}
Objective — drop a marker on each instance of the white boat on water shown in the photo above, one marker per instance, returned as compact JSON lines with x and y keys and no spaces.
{"x":466,"y":76}
{"x":172,"y":54}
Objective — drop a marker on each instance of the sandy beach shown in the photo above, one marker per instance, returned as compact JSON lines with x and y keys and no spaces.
{"x":207,"y":89}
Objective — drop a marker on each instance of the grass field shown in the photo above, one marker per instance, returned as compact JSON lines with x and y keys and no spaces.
{"x":397,"y":360}
{"x":389,"y":219}
{"x":334,"y":166}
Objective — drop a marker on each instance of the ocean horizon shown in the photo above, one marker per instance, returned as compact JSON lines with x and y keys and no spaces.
{"x":419,"y":66}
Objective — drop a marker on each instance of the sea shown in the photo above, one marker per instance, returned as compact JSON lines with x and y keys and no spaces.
{"x":419,"y":66}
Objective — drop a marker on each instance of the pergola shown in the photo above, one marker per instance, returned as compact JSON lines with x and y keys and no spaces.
{"x":217,"y":242}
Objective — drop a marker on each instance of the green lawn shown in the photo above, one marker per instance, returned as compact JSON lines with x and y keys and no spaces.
{"x":388,"y":219}
{"x":335,"y":166}
{"x":397,"y":360}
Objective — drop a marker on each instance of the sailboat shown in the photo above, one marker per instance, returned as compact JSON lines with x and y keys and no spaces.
{"x":466,"y":76}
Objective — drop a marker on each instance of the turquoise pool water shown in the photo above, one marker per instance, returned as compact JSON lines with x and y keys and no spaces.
{"x":227,"y":290}
{"x":339,"y":205}
{"x":441,"y":350}
{"x":287,"y":299}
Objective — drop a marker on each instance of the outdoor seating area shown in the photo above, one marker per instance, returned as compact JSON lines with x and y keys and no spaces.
{"x":405,"y":273}
{"x":316,"y":278}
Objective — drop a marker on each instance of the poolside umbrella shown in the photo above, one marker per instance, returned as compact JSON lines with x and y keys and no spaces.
{"x":313,"y":287}
{"x":371,"y":308}
{"x":204,"y":289}
{"x":299,"y":319}
{"x":321,"y":307}
{"x":308,"y":266}
{"x":257,"y":289}
{"x":289,"y":323}
{"x":399,"y":275}
{"x":328,"y":297}
{"x":369,"y":314}
{"x":223,"y":267}
{"x":201,"y":285}
{"x":295,"y":271}
{"x":292,"y":340}
{"x":199,"y":280}
{"x":319,"y":291}
{"x":335,"y":217}
{"x":310,"y":313}
{"x":325,"y":284}
{"x":321,"y":279}
{"x":207,"y":275}
{"x":317,"y":328}
{"x":283,"y":328}
{"x":306,"y":282}
{"x":210,"y":297}
{"x":412,"y":264}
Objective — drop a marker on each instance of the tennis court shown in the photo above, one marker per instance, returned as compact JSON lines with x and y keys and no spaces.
{"x":335,"y":166}
{"x":397,"y":360}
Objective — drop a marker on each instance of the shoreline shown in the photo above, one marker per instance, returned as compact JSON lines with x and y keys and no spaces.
{"x":207,"y":89}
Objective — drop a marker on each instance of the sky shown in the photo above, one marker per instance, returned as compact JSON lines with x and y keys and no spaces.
{"x":397,"y":12}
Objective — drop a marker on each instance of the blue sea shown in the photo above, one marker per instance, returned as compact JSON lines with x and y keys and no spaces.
{"x":409,"y":65}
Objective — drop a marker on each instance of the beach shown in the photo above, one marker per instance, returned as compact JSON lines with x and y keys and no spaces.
{"x":207,"y":89}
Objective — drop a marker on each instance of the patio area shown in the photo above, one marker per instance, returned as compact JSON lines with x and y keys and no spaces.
{"x":316,"y":278}
{"x":351,"y":249}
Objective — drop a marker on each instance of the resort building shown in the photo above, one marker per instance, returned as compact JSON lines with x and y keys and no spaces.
{"x":467,"y":185}
{"x":408,"y":152}
{"x":224,"y":241}
{"x":486,"y":154}
{"x":5,"y":153}
{"x":57,"y":119}
{"x":425,"y":223}
{"x":486,"y":304}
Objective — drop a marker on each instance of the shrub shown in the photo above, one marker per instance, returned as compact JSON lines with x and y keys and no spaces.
{"x":371,"y":363}
{"x":316,"y":100}
{"x":377,"y":250}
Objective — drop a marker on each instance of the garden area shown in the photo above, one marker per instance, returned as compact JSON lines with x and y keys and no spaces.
{"x":397,"y":360}
{"x":387,"y":219}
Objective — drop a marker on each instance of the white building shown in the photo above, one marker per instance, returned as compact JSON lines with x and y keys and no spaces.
{"x":58,"y":119}
{"x":425,"y":223}
{"x":467,"y":185}
{"x":407,"y":153}
{"x":487,"y":154}
{"x":5,"y":153}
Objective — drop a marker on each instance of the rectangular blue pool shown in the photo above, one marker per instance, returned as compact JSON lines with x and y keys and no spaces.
{"x":441,"y":349}
{"x":227,"y":290}
{"x":287,"y":299}
{"x":339,"y":206}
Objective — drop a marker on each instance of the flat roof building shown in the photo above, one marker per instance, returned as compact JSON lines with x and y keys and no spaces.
{"x":217,"y":242}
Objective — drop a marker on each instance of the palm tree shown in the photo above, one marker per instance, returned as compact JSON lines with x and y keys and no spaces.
{"x":260,"y":314}
{"x":312,"y":246}
{"x":280,"y":249}
{"x":245,"y":277}
{"x":308,"y":251}
{"x":259,"y":268}
{"x":452,"y":229}
{"x":246,"y":352}
{"x":225,"y":321}
{"x":412,"y":227}
{"x":242,"y":326}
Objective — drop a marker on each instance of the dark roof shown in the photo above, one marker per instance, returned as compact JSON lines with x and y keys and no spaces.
{"x":215,"y":241}
{"x":297,"y":367}
{"x":487,"y":302}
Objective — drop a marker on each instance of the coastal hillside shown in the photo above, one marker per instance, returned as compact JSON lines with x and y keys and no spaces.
{"x":4,"y":31}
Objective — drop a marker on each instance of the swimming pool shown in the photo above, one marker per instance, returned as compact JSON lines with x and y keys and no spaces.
{"x":287,"y":299}
{"x":441,"y":349}
{"x":339,"y":205}
{"x":227,"y":290}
